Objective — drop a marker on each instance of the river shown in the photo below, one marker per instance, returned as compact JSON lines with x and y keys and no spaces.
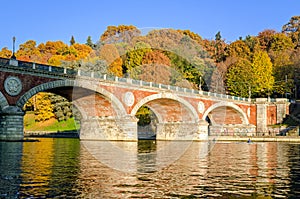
{"x":70,"y":168}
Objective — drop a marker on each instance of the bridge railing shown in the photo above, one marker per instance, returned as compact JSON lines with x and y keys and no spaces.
{"x":72,"y":73}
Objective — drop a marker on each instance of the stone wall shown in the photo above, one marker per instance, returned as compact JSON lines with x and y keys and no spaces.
{"x":232,"y":130}
{"x":11,"y":124}
{"x":108,"y":129}
{"x":182,"y":131}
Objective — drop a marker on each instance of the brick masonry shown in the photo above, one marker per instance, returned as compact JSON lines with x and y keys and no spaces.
{"x":105,"y":102}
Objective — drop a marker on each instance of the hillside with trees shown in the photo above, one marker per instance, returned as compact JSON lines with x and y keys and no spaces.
{"x":262,"y":65}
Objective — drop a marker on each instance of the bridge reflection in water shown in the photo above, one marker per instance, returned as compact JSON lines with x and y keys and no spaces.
{"x":67,"y":168}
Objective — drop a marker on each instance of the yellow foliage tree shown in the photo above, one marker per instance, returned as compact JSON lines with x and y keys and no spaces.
{"x":110,"y":54}
{"x":5,"y":53}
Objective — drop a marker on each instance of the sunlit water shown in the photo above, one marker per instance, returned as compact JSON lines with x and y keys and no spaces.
{"x":67,"y":168}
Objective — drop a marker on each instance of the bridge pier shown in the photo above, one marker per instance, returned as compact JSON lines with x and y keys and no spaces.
{"x":232,"y":130}
{"x":109,"y":128}
{"x":182,"y":131}
{"x":264,"y":113}
{"x":11,"y":123}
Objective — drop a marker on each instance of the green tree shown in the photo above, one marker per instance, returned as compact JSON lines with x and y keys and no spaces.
{"x":134,"y":58}
{"x":62,"y":108}
{"x":292,"y":28}
{"x":219,"y":45}
{"x":144,"y":116}
{"x":239,"y":79}
{"x":89,"y":42}
{"x":252,"y":42}
{"x":72,"y":41}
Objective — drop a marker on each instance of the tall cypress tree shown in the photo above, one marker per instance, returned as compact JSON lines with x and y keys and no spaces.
{"x":72,"y":41}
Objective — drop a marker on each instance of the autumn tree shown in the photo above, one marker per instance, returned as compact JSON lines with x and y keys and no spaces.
{"x":192,"y":35}
{"x":265,"y":38}
{"x":134,"y":57}
{"x":5,"y":53}
{"x":43,"y":107}
{"x":121,"y":33}
{"x":280,"y":42}
{"x":239,"y":49}
{"x":156,"y":57}
{"x":82,"y":51}
{"x":262,"y":71}
{"x":253,"y":77}
{"x":280,"y":51}
{"x":28,"y":52}
{"x":110,"y":54}
{"x":154,"y":73}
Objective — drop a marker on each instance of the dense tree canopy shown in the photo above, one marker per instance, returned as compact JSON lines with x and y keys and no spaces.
{"x":258,"y":65}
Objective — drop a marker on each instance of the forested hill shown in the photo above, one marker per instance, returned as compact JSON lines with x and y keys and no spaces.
{"x":266,"y":64}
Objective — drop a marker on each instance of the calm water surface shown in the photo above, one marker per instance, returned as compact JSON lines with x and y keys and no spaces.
{"x":69,"y":168}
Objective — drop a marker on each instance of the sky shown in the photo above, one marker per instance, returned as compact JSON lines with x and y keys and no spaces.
{"x":55,"y":20}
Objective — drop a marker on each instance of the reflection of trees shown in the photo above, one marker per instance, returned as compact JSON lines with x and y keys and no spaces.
{"x":37,"y":162}
{"x":49,"y":168}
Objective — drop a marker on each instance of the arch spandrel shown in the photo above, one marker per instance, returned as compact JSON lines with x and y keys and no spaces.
{"x":56,"y":85}
{"x":160,"y":100}
{"x":230,"y":105}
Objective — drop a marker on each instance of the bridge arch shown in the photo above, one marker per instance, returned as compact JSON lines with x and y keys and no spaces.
{"x":72,"y":83}
{"x":226,"y":104}
{"x":157,"y":98}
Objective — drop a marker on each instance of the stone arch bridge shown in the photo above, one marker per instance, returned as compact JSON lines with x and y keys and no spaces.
{"x":109,"y":104}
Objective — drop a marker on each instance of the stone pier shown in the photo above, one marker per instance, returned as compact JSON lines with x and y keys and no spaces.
{"x":11,"y":124}
{"x":264,"y":113}
{"x":182,"y":131}
{"x":109,"y":128}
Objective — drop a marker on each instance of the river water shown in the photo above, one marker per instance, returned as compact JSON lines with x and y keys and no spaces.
{"x":69,"y":168}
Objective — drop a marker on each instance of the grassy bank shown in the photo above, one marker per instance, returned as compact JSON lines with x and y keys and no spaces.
{"x":50,"y":125}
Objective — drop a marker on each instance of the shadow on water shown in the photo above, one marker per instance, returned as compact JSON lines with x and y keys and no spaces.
{"x":10,"y":167}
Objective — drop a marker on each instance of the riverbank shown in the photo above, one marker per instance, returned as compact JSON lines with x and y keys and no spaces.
{"x":52,"y":134}
{"x":293,"y":139}
{"x":74,"y":134}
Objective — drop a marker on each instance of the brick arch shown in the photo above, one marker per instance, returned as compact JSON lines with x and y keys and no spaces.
{"x":227,"y":104}
{"x":72,"y":83}
{"x":3,"y":102}
{"x":154,"y":99}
